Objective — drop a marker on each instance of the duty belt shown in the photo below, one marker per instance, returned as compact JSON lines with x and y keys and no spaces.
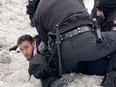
{"x":75,"y":31}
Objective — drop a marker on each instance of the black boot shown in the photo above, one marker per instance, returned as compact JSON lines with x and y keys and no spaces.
{"x":110,"y":78}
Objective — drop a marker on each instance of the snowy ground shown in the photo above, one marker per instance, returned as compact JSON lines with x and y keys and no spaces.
{"x":13,"y":66}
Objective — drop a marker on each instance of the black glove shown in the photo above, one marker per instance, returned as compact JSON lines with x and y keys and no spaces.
{"x":63,"y":82}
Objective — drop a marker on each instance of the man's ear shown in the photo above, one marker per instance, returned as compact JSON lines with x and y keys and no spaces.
{"x":34,"y":43}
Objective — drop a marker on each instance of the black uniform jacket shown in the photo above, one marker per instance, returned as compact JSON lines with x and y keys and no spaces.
{"x":66,"y":13}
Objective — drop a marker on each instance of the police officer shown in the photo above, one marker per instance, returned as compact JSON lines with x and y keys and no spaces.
{"x":79,"y":45}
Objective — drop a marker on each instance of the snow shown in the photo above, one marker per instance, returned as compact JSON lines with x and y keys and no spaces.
{"x":13,"y":66}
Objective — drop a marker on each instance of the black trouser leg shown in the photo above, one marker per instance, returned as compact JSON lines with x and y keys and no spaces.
{"x":98,"y":67}
{"x":110,"y":77}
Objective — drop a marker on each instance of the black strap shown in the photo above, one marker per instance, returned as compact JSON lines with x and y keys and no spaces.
{"x":58,"y":46}
{"x":75,"y":31}
{"x":51,"y":57}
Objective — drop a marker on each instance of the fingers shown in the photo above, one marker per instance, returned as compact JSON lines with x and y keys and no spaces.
{"x":100,"y":13}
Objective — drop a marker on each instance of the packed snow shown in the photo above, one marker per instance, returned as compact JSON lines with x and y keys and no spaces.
{"x":14,"y":22}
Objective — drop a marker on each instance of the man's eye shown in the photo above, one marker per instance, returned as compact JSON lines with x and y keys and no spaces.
{"x":26,"y":47}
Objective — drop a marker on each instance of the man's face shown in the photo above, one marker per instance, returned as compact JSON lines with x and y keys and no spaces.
{"x":27,"y":49}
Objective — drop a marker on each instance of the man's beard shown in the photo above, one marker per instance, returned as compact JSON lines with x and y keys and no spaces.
{"x":30,"y":57}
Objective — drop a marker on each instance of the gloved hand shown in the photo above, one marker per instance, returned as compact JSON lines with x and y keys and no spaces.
{"x":63,"y":82}
{"x":41,"y":47}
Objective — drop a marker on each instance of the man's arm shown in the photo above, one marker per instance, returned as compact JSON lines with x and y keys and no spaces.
{"x":41,"y":70}
{"x":39,"y":67}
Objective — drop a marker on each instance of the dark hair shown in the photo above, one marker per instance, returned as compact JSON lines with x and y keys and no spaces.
{"x":25,"y":37}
